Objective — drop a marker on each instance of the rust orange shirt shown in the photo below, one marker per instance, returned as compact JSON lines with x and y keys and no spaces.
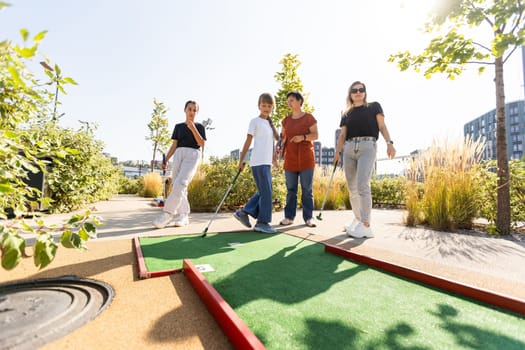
{"x":298,"y":156}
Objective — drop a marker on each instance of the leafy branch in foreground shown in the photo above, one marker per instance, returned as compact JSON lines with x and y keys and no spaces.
{"x":24,"y":110}
{"x":74,"y":232}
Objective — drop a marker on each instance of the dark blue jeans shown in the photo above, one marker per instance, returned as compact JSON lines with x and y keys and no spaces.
{"x":260,"y":205}
{"x":307,"y":198}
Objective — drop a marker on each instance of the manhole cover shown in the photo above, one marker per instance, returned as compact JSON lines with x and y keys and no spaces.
{"x":36,"y":312}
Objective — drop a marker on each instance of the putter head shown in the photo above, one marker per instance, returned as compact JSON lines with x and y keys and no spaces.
{"x":204,"y":233}
{"x":318,"y":217}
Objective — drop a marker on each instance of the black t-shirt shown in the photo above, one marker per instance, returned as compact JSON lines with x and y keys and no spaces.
{"x":362,"y":121}
{"x":185,"y":138}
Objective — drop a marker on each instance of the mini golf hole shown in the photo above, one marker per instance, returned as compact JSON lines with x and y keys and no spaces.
{"x":36,"y":312}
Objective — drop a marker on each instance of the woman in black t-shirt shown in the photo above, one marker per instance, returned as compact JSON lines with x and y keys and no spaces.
{"x":360,"y":127}
{"x":188,"y":140}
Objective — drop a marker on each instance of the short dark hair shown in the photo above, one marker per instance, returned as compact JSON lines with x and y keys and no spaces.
{"x":297,"y":95}
{"x":191,"y":102}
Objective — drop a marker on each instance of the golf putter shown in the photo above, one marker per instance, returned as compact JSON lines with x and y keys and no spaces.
{"x":319,"y":217}
{"x":163,"y":161}
{"x":205,"y":231}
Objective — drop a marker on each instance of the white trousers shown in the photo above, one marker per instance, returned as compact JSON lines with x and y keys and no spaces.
{"x":185,"y":163}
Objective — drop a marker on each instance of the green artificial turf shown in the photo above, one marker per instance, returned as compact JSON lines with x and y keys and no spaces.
{"x":293,"y":295}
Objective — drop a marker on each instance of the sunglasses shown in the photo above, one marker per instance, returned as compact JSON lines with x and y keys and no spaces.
{"x":356,"y":90}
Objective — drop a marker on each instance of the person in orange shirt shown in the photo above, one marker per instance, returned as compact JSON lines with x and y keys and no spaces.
{"x":299,"y":129}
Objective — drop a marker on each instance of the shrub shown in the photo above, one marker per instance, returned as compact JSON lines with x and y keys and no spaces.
{"x":388,"y":191}
{"x":129,"y":186}
{"x":488,"y":190}
{"x":80,"y":174}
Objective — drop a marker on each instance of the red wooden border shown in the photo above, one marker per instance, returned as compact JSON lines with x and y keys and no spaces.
{"x":143,"y":270}
{"x":235,"y":329}
{"x":491,"y":298}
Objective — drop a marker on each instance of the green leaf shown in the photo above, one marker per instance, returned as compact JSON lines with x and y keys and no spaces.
{"x":72,"y":240}
{"x":61,"y":89}
{"x":44,"y":250}
{"x":66,"y":239}
{"x":26,"y":227}
{"x":12,"y":247}
{"x":70,"y":81}
{"x":75,"y":218}
{"x":26,"y":52}
{"x":82,"y":233}
{"x":40,"y":36}
{"x":24,"y":33}
{"x":50,"y":74}
{"x":90,"y":227}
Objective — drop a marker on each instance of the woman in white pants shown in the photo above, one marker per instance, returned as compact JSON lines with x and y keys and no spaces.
{"x":360,"y":127}
{"x":188,"y":140}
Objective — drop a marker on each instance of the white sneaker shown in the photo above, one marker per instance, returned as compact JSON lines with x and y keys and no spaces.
{"x":182,"y":220}
{"x":351,"y":226}
{"x":162,"y":220}
{"x":361,"y":231}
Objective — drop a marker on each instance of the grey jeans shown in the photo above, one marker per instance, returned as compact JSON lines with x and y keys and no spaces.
{"x":359,"y":158}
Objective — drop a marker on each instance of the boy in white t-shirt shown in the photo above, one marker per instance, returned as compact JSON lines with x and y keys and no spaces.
{"x":262,"y":131}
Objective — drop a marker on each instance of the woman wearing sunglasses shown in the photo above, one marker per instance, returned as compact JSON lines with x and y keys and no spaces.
{"x":360,"y":127}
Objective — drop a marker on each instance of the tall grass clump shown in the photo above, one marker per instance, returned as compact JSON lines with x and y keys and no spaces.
{"x":152,"y":185}
{"x":337,"y":196}
{"x":442,"y":185}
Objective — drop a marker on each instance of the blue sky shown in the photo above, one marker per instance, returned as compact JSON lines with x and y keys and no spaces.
{"x":224,"y":54}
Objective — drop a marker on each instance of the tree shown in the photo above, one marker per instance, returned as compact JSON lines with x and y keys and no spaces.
{"x":290,"y":81}
{"x":449,"y":53}
{"x":158,"y":130}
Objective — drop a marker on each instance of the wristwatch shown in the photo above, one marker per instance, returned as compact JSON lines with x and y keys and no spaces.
{"x":390,"y":142}
{"x":304,"y":137}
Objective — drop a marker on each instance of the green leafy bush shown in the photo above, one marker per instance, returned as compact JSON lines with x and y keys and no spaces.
{"x":129,"y":186}
{"x":81,"y":174}
{"x":388,"y":191}
{"x":488,"y":185}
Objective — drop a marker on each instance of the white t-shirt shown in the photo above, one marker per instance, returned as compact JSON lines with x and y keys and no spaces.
{"x":262,"y":150}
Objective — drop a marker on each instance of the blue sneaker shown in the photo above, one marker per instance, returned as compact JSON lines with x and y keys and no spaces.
{"x":243,"y":218}
{"x":264,"y":228}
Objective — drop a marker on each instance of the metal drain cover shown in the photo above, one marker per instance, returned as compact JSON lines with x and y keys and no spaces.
{"x":36,"y":312}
